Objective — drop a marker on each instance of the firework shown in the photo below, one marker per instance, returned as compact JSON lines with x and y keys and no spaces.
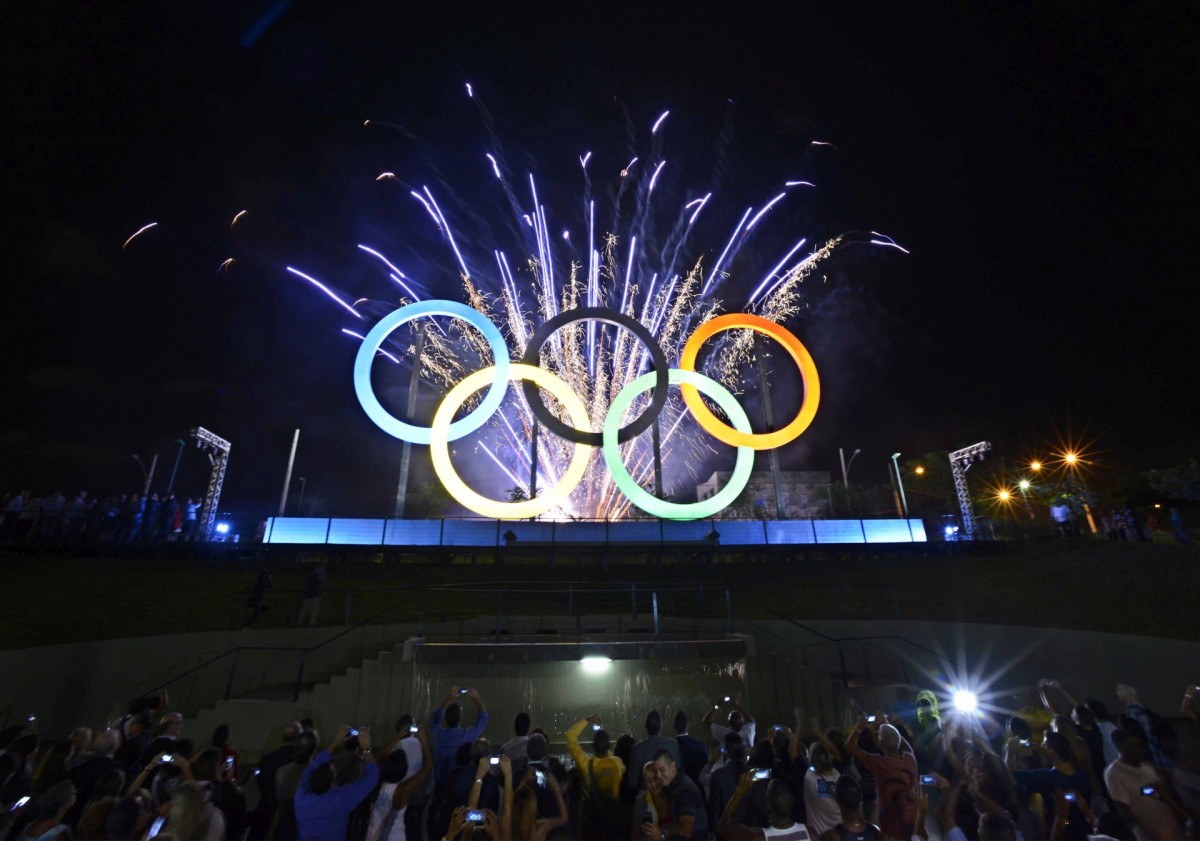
{"x":661,"y":286}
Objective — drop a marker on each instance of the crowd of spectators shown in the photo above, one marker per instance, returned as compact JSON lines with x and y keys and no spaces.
{"x":1053,"y":769}
{"x":116,"y":518}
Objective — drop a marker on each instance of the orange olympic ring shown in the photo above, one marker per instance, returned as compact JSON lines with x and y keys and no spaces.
{"x":722,"y":431}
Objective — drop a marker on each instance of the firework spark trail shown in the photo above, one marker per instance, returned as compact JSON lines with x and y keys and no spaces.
{"x":595,"y":359}
{"x":137,"y":233}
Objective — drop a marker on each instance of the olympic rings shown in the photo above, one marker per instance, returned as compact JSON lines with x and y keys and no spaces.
{"x":722,"y":432}
{"x":439,"y":450}
{"x":609,"y":316}
{"x":421,"y":434}
{"x":647,"y":501}
{"x":444,"y":429}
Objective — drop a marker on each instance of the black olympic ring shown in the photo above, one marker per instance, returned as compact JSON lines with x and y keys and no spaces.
{"x":617,"y":319}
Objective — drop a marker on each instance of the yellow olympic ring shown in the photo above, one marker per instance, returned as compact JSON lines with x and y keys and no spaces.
{"x":439,"y":445}
{"x":725,"y":433}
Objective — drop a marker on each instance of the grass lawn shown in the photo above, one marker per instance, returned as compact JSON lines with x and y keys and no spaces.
{"x":59,"y":596}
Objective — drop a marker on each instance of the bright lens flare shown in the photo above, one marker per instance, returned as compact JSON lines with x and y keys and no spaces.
{"x":965,"y":701}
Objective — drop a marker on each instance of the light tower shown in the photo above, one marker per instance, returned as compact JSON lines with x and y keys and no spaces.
{"x":960,"y":463}
{"x":217,"y":449}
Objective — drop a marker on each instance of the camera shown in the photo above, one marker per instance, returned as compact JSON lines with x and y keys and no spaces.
{"x":1149,"y":791}
{"x":762,"y":773}
{"x":928,"y":780}
{"x":475,"y":816}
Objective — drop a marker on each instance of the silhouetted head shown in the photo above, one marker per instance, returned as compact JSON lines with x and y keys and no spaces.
{"x":453,"y":715}
{"x":521,"y":724}
{"x":653,"y":722}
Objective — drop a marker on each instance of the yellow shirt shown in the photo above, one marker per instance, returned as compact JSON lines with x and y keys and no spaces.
{"x":608,"y":770}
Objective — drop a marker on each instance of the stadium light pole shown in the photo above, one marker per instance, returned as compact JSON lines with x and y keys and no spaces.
{"x":846,"y":465}
{"x":175,"y":469}
{"x":900,"y":482}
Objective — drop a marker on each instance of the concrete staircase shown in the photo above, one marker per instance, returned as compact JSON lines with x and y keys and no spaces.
{"x":376,"y":691}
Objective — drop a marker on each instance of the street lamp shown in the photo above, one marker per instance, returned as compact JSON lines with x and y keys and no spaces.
{"x":1024,"y":485}
{"x":900,"y":482}
{"x":1073,"y":461}
{"x":846,"y":465}
{"x":175,"y":469}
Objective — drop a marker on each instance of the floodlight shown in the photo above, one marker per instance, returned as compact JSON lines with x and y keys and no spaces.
{"x":595,"y":665}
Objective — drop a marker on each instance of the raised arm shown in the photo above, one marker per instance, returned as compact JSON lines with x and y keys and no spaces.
{"x":544,"y":826}
{"x":727,"y":827}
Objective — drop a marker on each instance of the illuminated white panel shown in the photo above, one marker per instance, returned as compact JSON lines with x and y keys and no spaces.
{"x":470,"y":533}
{"x":790,"y":531}
{"x":580,"y":533}
{"x":686,"y":531}
{"x":527,"y":532}
{"x":297,"y":530}
{"x":887,"y":531}
{"x":918,"y":531}
{"x":413,"y":533}
{"x":350,"y":531}
{"x":634,"y":531}
{"x":741,"y":533}
{"x":839,"y":531}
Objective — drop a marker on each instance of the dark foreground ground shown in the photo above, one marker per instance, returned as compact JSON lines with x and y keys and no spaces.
{"x":58,"y":594}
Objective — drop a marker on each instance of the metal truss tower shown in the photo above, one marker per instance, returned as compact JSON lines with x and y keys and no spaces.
{"x":960,"y":463}
{"x":217,"y":449}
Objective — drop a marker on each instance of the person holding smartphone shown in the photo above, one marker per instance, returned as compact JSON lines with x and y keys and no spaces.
{"x":1140,"y":792}
{"x":780,"y":802}
{"x":387,"y":821}
{"x":322,"y":806}
{"x":601,"y":774}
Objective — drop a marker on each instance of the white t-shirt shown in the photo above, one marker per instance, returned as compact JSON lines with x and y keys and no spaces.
{"x":1153,"y":818}
{"x":822,"y":810}
{"x":747,"y":734}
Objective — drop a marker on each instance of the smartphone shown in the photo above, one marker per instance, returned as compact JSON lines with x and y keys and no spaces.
{"x":475,"y":816}
{"x":778,"y":728}
{"x":25,"y":800}
{"x":728,"y":699}
{"x":1023,"y":743}
{"x":168,"y":757}
{"x":870,"y":719}
{"x":156,"y":827}
{"x":928,"y":780}
{"x":257,"y":771}
{"x":541,"y":777}
{"x":229,"y":763}
{"x":32,"y":718}
{"x":812,"y":768}
{"x":463,"y":691}
{"x":1149,"y":791}
{"x":762,"y":773}
{"x":413,"y":728}
{"x":595,"y":726}
{"x":1070,"y":795}
{"x":495,"y":760}
{"x":353,"y":732}
{"x":722,"y":750}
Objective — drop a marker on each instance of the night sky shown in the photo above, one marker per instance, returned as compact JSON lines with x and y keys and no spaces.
{"x":1037,"y":165}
